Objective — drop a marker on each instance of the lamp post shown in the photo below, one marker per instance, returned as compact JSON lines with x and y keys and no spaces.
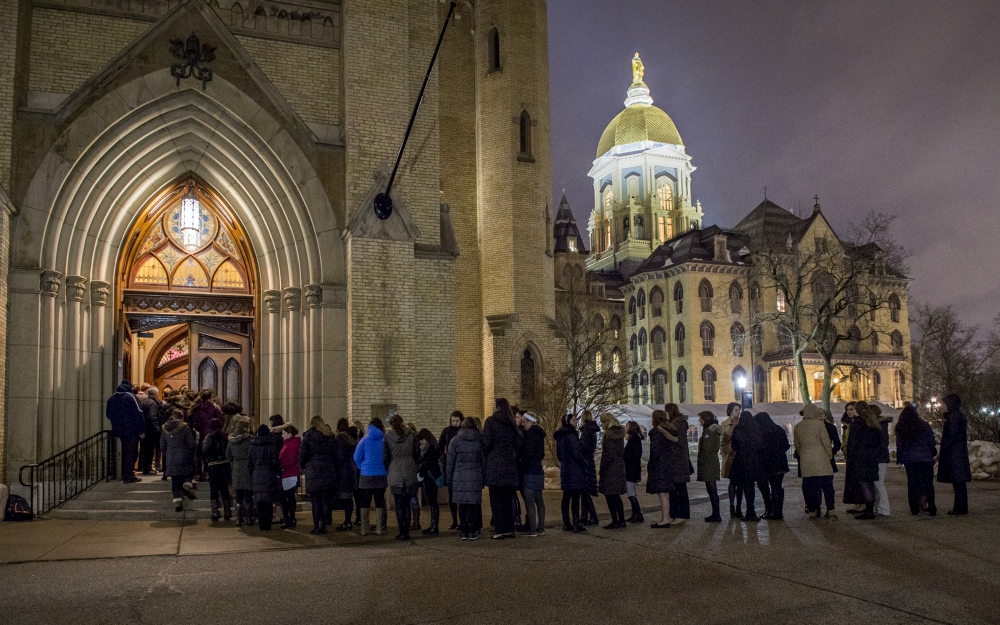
{"x":747,"y":396}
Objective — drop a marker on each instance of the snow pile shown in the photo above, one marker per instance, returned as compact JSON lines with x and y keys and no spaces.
{"x":984,"y":458}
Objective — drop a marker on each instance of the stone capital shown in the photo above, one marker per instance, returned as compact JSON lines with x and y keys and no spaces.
{"x":314,"y":295}
{"x":293,"y":298}
{"x":99,"y":292}
{"x":50,"y":283}
{"x":272,"y":301}
{"x":76,"y":288}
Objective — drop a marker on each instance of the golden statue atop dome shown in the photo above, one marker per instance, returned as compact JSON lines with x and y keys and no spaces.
{"x":637,"y":69}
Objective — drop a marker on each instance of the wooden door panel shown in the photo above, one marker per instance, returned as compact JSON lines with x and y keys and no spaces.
{"x":221,"y":360}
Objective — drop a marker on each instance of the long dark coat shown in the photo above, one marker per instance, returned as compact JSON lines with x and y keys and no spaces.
{"x":400,"y":454}
{"x":863,"y":451}
{"x":633,"y":459}
{"x":533,"y":451}
{"x":465,"y":469}
{"x":501,"y":444}
{"x":953,"y":460}
{"x":613,"y":462}
{"x":747,"y":468}
{"x":709,"y":469}
{"x":572,"y":465}
{"x":347,"y":471}
{"x":319,"y":459}
{"x":658,"y":478}
{"x":178,"y":444}
{"x":588,"y":447}
{"x":237,"y":452}
{"x":264,"y":466}
{"x":774,"y":445}
{"x":678,"y":457}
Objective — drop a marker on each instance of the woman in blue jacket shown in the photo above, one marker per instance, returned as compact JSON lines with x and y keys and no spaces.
{"x":373,"y":480}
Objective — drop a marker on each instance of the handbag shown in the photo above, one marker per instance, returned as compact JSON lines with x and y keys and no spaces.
{"x":439,"y":481}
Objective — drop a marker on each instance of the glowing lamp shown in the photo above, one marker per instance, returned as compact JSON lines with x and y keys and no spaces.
{"x":191,"y":220}
{"x":741,"y":382}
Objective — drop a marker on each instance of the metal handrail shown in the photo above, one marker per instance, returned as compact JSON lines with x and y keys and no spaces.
{"x":58,"y":479}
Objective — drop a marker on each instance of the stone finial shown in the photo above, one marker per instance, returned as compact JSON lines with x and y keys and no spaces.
{"x":314,"y":295}
{"x":50,"y":283}
{"x":293,"y":298}
{"x":99,"y":292}
{"x":76,"y":287}
{"x":272,"y":301}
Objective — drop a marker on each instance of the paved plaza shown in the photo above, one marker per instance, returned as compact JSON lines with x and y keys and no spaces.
{"x":900,"y":569}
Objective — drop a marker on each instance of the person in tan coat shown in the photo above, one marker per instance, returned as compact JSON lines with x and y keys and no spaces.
{"x":733,"y":411}
{"x":813,"y":445}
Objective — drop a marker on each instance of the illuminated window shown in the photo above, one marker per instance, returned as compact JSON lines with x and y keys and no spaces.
{"x":190,"y":274}
{"x":707,"y":331}
{"x":178,"y":349}
{"x":228,"y":277}
{"x":658,"y":338}
{"x":151,"y":272}
{"x":661,"y":228}
{"x":708,"y":377}
{"x":665,"y":191}
{"x":598,"y":364}
{"x":616,"y":361}
{"x":780,"y":301}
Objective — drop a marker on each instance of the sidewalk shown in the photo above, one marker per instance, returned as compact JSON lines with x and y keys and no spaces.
{"x":47,"y":539}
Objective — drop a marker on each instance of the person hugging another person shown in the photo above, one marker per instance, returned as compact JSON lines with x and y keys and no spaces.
{"x":915,"y":450}
{"x":588,"y":447}
{"x":726,"y":449}
{"x":572,"y":472}
{"x":430,"y":477}
{"x":863,"y":453}
{"x":533,"y":474}
{"x":747,"y":469}
{"x":501,"y":444}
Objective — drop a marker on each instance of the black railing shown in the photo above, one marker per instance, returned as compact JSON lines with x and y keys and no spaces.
{"x":67,"y":474}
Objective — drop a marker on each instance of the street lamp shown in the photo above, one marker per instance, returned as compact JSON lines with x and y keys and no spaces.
{"x":745,"y":395}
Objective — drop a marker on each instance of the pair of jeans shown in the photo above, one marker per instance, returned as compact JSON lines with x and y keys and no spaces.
{"x":502,"y":506}
{"x":218,"y":481}
{"x":920,"y":483}
{"x":814,"y":489}
{"x":680,"y":505}
{"x":534,"y":503}
{"x":469,"y":518}
{"x":130,"y":453}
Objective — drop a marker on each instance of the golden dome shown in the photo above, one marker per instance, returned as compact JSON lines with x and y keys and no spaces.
{"x":639,"y":122}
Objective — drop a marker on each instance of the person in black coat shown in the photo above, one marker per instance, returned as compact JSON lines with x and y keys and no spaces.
{"x":852,"y":489}
{"x":319,"y":458}
{"x":347,"y":471}
{"x":864,"y":443}
{"x":447,"y":434}
{"x":774,"y":459}
{"x":533,"y":474}
{"x":633,"y":469}
{"x":128,"y":425}
{"x":572,"y":472}
{"x":747,"y":470}
{"x":429,"y":473}
{"x":150,"y":444}
{"x":953,"y":460}
{"x":588,"y":447}
{"x":915,"y":450}
{"x":501,"y":445}
{"x":219,"y":469}
{"x":659,"y":481}
{"x":264,"y":467}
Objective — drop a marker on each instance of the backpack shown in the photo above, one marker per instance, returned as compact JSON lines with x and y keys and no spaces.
{"x":18,"y":509}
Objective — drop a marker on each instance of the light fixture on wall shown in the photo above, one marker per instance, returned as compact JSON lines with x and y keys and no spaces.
{"x":191,"y":219}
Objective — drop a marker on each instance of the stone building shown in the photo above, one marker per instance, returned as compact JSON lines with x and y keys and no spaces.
{"x":187,"y":193}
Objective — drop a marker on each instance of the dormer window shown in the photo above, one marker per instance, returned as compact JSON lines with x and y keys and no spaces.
{"x":571,"y":243}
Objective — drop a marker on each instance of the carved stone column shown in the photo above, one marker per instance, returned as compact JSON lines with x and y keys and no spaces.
{"x":294,"y":366}
{"x":73,"y":334}
{"x":314,"y":348}
{"x":271,"y":378}
{"x":50,"y":283}
{"x":101,"y":377}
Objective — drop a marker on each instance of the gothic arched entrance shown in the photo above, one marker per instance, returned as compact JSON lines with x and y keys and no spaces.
{"x":187,"y":283}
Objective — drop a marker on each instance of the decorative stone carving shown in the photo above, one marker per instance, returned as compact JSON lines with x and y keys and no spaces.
{"x":51,"y":281}
{"x":314,"y":295}
{"x":99,"y":292}
{"x":193,"y":55}
{"x":400,"y":226}
{"x":293,"y":298}
{"x":76,"y":287}
{"x":272,"y":301}
{"x":193,"y":304}
{"x":142,"y":343}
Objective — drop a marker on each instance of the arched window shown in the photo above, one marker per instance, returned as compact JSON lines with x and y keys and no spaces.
{"x":707,"y":332}
{"x":208,"y":375}
{"x":640,"y":227}
{"x":631,"y":311}
{"x":786,"y":388}
{"x":659,"y":386}
{"x":632,"y":185}
{"x":635,"y":388}
{"x":874,"y":342}
{"x":640,"y":303}
{"x":597,"y":323}
{"x":665,"y":192}
{"x":779,"y":300}
{"x":644,"y":387}
{"x":679,"y":339}
{"x":527,"y":376}
{"x":609,"y":202}
{"x":705,"y":293}
{"x":759,"y":384}
{"x":658,"y":337}
{"x":876,"y":385}
{"x":853,"y":340}
{"x":682,"y":378}
{"x":642,"y":345}
{"x":616,"y":326}
{"x":872,"y":306}
{"x":897,"y":342}
{"x":656,"y":302}
{"x":525,"y":135}
{"x":708,"y":377}
{"x":616,"y":360}
{"x":236,"y":15}
{"x":678,"y":297}
{"x":754,"y":297}
{"x":738,"y":335}
{"x":739,"y":374}
{"x":493,"y":40}
{"x":633,"y":347}
{"x":736,"y":298}
{"x":260,"y":19}
{"x":598,"y":362}
{"x":231,"y":381}
{"x":894,"y":307}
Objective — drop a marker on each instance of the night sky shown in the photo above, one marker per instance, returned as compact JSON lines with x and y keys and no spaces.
{"x":893,"y":106}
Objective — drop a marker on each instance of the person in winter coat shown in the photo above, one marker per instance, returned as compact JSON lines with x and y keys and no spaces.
{"x":532,"y":474}
{"x":678,"y":465}
{"x":213,"y":450}
{"x":128,"y":425}
{"x":465,"y":474}
{"x":863,"y":455}
{"x":237,"y":452}
{"x":450,"y":432}
{"x":588,"y":447}
{"x":733,"y":411}
{"x":400,"y":454}
{"x":372,"y":481}
{"x":573,"y":469}
{"x":428,"y":474}
{"x":812,"y":445}
{"x":200,"y":415}
{"x":612,"y":484}
{"x":915,"y":450}
{"x":347,"y":472}
{"x":662,"y":442}
{"x":501,"y":444}
{"x":746,"y":470}
{"x":264,"y":467}
{"x":709,"y":470}
{"x":852,"y":488}
{"x":633,"y":468}
{"x":290,"y":471}
{"x":318,"y":458}
{"x":774,"y":459}
{"x":881,"y":494}
{"x":953,"y":461}
{"x":178,"y":443}
{"x":150,"y":443}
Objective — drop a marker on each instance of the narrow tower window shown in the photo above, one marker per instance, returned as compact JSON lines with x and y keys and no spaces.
{"x":494,"y":42}
{"x":525,"y":145}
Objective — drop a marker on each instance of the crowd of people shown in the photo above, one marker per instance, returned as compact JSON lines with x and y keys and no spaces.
{"x":191,"y":439}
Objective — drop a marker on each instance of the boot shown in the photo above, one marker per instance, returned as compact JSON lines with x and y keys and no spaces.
{"x":777,"y":506}
{"x":178,"y":504}
{"x":189,"y":490}
{"x":415,"y":513}
{"x":567,"y":526}
{"x":404,"y":527}
{"x":364,"y":521}
{"x":215,"y":510}
{"x":433,"y":529}
{"x":227,"y":510}
{"x":578,"y":527}
{"x":379,"y":521}
{"x":240,"y":513}
{"x":453,"y":507}
{"x":714,"y":517}
{"x":636,"y":511}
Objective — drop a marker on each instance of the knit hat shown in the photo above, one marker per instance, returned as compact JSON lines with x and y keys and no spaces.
{"x":530,"y":417}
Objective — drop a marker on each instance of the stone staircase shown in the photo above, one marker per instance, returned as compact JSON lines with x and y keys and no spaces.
{"x":148,"y":500}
